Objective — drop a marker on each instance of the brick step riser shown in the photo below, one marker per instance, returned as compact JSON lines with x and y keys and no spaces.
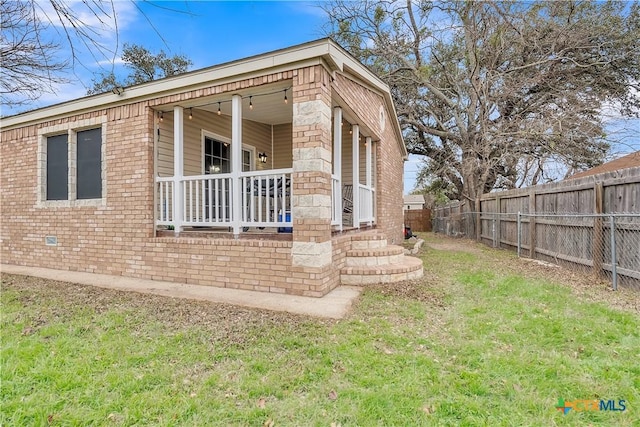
{"x":368,"y":244}
{"x":373,"y":260}
{"x":388,"y":250}
{"x":407,"y":265}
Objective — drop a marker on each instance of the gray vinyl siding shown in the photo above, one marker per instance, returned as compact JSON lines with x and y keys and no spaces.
{"x":347,"y":158}
{"x":254,"y":134}
{"x":282,"y":146}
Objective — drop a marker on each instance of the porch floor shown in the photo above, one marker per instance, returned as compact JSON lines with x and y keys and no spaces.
{"x":334,"y":305}
{"x":252,"y":233}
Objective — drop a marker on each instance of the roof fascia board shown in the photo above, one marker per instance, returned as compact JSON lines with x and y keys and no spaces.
{"x":323,"y":52}
{"x":308,"y":54}
{"x":140,"y":94}
{"x":348,"y":64}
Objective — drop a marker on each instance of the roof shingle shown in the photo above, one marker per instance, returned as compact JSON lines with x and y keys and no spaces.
{"x":629,"y":161}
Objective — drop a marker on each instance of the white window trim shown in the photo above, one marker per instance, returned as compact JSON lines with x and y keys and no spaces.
{"x":252,"y":150}
{"x":71,"y":129}
{"x":208,"y":134}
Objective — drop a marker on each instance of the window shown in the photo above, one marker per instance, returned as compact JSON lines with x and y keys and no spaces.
{"x":247,"y":156}
{"x":71,"y":164}
{"x":217,"y":156}
{"x":57,"y":168}
{"x":89,"y":164}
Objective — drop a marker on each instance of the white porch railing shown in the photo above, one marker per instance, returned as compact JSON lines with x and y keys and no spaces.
{"x":207,"y":199}
{"x":336,"y":201}
{"x":164,"y":190}
{"x":266,"y":197}
{"x":265,"y":200}
{"x":366,"y":196}
{"x":366,"y":200}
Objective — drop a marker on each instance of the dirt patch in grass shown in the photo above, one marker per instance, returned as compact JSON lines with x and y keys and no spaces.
{"x":226,"y":319}
{"x":461,"y":246}
{"x":476,"y":326}
{"x":223,"y":320}
{"x":585,"y":286}
{"x":428,"y":290}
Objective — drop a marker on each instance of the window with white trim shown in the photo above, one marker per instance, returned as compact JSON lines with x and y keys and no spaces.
{"x":217,"y":156}
{"x":216,"y":152}
{"x":72,"y":166}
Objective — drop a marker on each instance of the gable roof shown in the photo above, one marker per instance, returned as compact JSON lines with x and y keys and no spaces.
{"x":625,"y":162}
{"x":324,"y":52}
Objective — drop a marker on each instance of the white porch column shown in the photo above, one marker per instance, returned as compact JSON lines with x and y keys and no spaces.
{"x":236,"y":162}
{"x":356,"y":176}
{"x":337,"y":160}
{"x":178,"y":167}
{"x":368,"y":152}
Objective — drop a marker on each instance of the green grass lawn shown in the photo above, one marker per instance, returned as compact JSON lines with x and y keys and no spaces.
{"x":484,"y":339}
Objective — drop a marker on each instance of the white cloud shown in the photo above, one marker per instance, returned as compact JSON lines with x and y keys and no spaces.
{"x":88,"y":30}
{"x":610,"y":111}
{"x":369,"y":43}
{"x":62,"y":92}
{"x":308,"y":8}
{"x":102,"y":17}
{"x":623,"y":132}
{"x":116,"y":61}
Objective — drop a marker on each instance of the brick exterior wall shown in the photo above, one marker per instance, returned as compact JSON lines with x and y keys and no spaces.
{"x":118,"y":236}
{"x":311,"y":250}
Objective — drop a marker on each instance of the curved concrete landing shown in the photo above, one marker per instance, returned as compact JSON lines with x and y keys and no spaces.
{"x":334,"y":305}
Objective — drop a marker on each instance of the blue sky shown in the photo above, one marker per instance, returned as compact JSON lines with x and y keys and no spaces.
{"x":207,"y":32}
{"x":213,"y":32}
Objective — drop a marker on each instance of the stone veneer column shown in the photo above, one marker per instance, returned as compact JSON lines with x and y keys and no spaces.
{"x":311,"y":201}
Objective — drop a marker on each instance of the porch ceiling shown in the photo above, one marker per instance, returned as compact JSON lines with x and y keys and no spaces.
{"x":268,"y":104}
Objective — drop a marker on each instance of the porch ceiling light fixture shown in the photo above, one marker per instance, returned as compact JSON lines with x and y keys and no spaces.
{"x":190,"y":113}
{"x":117,"y":90}
{"x":262,"y":157}
{"x":219,"y":112}
{"x":161,"y":116}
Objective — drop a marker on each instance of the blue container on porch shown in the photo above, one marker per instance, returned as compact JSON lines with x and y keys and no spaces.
{"x":287,"y":218}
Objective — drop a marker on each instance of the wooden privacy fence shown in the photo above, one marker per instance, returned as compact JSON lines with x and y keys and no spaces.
{"x":591,"y":223}
{"x":418,"y":219}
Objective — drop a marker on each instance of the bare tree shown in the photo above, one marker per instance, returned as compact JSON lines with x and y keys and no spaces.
{"x":144,"y":66}
{"x":28,"y":63}
{"x":495,"y":94}
{"x":35,"y":32}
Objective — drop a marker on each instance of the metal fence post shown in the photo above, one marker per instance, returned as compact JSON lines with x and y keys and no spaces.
{"x":519,"y":234}
{"x":614,"y":262}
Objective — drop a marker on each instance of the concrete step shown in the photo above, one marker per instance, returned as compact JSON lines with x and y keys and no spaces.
{"x":390,"y":254}
{"x":408,"y":268}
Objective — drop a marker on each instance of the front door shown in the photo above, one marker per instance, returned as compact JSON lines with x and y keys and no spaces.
{"x":217,"y":160}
